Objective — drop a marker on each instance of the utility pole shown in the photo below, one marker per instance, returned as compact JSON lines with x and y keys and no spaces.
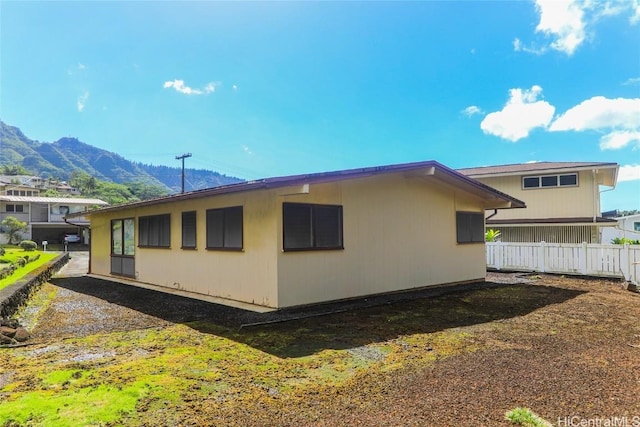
{"x":184,"y":156}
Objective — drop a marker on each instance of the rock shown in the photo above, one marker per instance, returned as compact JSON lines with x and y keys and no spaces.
{"x":7,"y":331}
{"x":11,"y":323}
{"x":21,"y":334}
{"x":6,"y":340}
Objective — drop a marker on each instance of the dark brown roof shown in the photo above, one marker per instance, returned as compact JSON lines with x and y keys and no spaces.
{"x":530,"y":221}
{"x":442,"y":172}
{"x":533,"y":167}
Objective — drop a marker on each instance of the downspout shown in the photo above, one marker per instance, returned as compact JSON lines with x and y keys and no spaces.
{"x":596,"y":193}
{"x":495,"y":212}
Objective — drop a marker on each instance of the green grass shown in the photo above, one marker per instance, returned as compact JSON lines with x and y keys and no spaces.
{"x":12,"y":254}
{"x":526,"y":418}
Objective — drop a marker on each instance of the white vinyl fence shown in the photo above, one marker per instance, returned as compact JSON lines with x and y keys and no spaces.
{"x":589,"y":259}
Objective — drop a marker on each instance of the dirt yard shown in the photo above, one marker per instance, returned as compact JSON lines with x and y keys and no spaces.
{"x":108,"y":354}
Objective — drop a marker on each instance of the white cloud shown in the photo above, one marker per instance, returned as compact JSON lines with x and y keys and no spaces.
{"x":600,"y":112}
{"x":518,"y":46}
{"x":563,"y":21}
{"x":235,"y":88}
{"x":569,"y":23}
{"x":620,"y":117}
{"x":247,"y":150}
{"x":472,"y":110}
{"x":81,"y":66}
{"x":619,"y":139}
{"x":629,"y":173}
{"x":179,"y":86}
{"x":82,"y":101}
{"x":632,"y":81}
{"x":521,"y":114}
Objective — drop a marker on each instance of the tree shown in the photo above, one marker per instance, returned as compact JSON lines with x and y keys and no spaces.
{"x":14,"y":228}
{"x":13,"y":170}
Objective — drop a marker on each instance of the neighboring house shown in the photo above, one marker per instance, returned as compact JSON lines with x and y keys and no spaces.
{"x":27,"y":185}
{"x":563,"y":200}
{"x":306,"y":239}
{"x":45,"y":215}
{"x":627,"y":227}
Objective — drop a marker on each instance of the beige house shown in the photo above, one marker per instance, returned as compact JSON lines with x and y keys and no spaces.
{"x":306,"y":239}
{"x":563,"y":200}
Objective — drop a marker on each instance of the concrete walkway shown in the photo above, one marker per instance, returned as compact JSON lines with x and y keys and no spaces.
{"x":77,"y":266}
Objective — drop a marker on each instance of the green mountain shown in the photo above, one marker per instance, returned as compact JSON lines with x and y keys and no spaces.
{"x":61,"y":158}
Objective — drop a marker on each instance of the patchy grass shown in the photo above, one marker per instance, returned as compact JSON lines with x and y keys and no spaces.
{"x":150,"y":374}
{"x":526,"y":418}
{"x":458,"y":359}
{"x":12,"y":254}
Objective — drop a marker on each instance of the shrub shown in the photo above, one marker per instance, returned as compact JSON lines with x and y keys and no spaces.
{"x":625,"y":240}
{"x":21,"y":262}
{"x":2,"y":252}
{"x":28,"y":245}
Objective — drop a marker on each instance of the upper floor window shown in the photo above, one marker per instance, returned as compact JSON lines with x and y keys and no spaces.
{"x":224,"y":228}
{"x":636,"y":226}
{"x":154,"y":231}
{"x":311,"y":227}
{"x":547,"y":181}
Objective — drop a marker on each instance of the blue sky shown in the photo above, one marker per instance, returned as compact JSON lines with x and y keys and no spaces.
{"x":276,"y":88}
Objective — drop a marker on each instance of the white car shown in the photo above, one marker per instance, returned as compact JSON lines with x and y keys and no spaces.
{"x":72,"y":238}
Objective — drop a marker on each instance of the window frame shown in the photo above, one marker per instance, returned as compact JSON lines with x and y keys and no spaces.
{"x":541,"y":181}
{"x":189,"y":229}
{"x":145,"y":225}
{"x":227,"y":218}
{"x":313,"y":226}
{"x":15,"y":208}
{"x":465,"y":223}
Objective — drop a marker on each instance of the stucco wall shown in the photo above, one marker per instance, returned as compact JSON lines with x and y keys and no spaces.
{"x":399,"y":233}
{"x":556,"y":202}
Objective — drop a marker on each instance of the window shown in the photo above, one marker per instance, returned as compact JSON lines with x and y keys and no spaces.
{"x":470,"y":227}
{"x":154,"y":231}
{"x":636,"y":226}
{"x":189,"y":229}
{"x":15,"y":208}
{"x":122,"y":247}
{"x":568,"y":180}
{"x":311,"y":227}
{"x":122,"y":240}
{"x":224,"y":228}
{"x":9,"y":192}
{"x":546,"y":181}
{"x":531,"y":182}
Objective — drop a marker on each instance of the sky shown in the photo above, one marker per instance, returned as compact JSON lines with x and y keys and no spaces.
{"x":263,"y":89}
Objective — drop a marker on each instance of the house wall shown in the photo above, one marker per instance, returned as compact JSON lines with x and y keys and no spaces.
{"x":625,"y":228}
{"x":248,"y":276}
{"x":399,"y":233}
{"x":555,"y":202}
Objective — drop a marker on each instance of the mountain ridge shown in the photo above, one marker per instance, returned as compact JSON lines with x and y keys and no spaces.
{"x":59,"y":159}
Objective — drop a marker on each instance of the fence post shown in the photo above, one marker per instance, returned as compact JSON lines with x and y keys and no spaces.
{"x":498,"y":255}
{"x":625,"y":262}
{"x":582,"y":254}
{"x":542,"y":257}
